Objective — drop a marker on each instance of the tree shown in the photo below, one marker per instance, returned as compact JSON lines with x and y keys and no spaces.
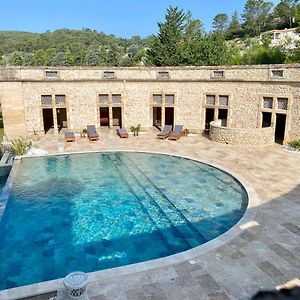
{"x":181,"y":41}
{"x":220,"y":22}
{"x":165,"y":50}
{"x":283,"y":14}
{"x":27,"y":59}
{"x":91,"y":59}
{"x":261,"y":54}
{"x":59,"y":59}
{"x":113,"y":54}
{"x":194,"y":33}
{"x":69,"y":57}
{"x":49,"y":55}
{"x":39,"y":58}
{"x":256,"y":16}
{"x":296,"y":15}
{"x":16,"y":59}
{"x":234,"y":29}
{"x":213,"y":51}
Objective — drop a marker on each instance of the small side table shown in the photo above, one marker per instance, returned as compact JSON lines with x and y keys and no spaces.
{"x":75,"y":284}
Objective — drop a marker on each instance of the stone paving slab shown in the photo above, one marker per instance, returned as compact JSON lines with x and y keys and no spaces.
{"x":265,"y":253}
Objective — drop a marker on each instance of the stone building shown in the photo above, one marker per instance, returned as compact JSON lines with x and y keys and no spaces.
{"x":287,"y":38}
{"x":257,"y":103}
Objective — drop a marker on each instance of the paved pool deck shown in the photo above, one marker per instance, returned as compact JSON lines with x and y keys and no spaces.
{"x":261,"y":252}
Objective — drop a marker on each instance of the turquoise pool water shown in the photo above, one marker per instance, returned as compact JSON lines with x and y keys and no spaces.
{"x":96,"y":211}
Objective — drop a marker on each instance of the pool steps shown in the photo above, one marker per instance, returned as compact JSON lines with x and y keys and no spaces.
{"x":157,"y":203}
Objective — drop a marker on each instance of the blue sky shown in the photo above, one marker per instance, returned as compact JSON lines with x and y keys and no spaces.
{"x":123,"y":18}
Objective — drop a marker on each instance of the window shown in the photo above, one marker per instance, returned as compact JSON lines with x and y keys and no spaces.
{"x":157,"y":98}
{"x":103,"y":98}
{"x":46,"y":100}
{"x":218,"y":74}
{"x":51,"y":74}
{"x":216,"y":109}
{"x":277,"y":73}
{"x":223,"y":100}
{"x":169,"y":98}
{"x":210,"y":99}
{"x":116,"y":98}
{"x":282,"y":103}
{"x":222,"y":115}
{"x":268,"y":102}
{"x":163,"y":75}
{"x":109,"y":74}
{"x":60,"y":99}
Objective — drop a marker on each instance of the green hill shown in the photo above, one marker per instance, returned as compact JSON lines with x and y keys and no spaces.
{"x":70,"y":47}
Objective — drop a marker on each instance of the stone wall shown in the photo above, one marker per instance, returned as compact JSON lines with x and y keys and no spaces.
{"x":12,"y":105}
{"x":241,"y":136}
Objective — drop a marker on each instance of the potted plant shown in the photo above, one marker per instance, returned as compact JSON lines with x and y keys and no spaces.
{"x":35,"y":136}
{"x":83,"y":133}
{"x":185,"y":132}
{"x":20,"y":146}
{"x":294,"y":145}
{"x":136,"y":129}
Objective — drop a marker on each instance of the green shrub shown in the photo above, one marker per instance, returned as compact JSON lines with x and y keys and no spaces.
{"x":20,"y":146}
{"x":136,"y":128}
{"x":295,"y":144}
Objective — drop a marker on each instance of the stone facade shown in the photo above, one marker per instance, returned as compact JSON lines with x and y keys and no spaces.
{"x":245,"y":88}
{"x":241,"y":136}
{"x":288,"y":38}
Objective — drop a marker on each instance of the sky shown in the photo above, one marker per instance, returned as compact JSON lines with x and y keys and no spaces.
{"x":123,"y":18}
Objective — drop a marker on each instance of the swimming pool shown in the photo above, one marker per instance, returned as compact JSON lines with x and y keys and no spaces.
{"x":101,"y":210}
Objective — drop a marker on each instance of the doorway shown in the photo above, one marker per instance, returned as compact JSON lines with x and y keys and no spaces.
{"x":280,"y":128}
{"x":169,"y":116}
{"x":209,"y":117}
{"x":222,"y":115}
{"x":117,"y":116}
{"x":61,"y":114}
{"x":104,"y":116}
{"x":157,"y":117}
{"x":48,"y":119}
{"x":266,"y":119}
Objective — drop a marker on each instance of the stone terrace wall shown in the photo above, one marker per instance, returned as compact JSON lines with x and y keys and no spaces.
{"x":241,"y":136}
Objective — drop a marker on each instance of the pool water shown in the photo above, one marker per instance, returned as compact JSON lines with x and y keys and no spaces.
{"x":97,"y":211}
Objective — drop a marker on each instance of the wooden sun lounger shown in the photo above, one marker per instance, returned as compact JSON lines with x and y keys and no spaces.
{"x":69,"y":137}
{"x":165,"y":132}
{"x":92,"y":133}
{"x":122,"y":133}
{"x":177,"y":133}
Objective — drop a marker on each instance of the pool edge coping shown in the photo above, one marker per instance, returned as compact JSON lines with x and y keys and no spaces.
{"x":188,"y":255}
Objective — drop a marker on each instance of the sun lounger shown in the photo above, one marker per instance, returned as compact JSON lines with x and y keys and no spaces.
{"x":122,"y":133}
{"x":92,"y":133}
{"x":177,"y":133}
{"x":165,"y":132}
{"x":69,"y":137}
